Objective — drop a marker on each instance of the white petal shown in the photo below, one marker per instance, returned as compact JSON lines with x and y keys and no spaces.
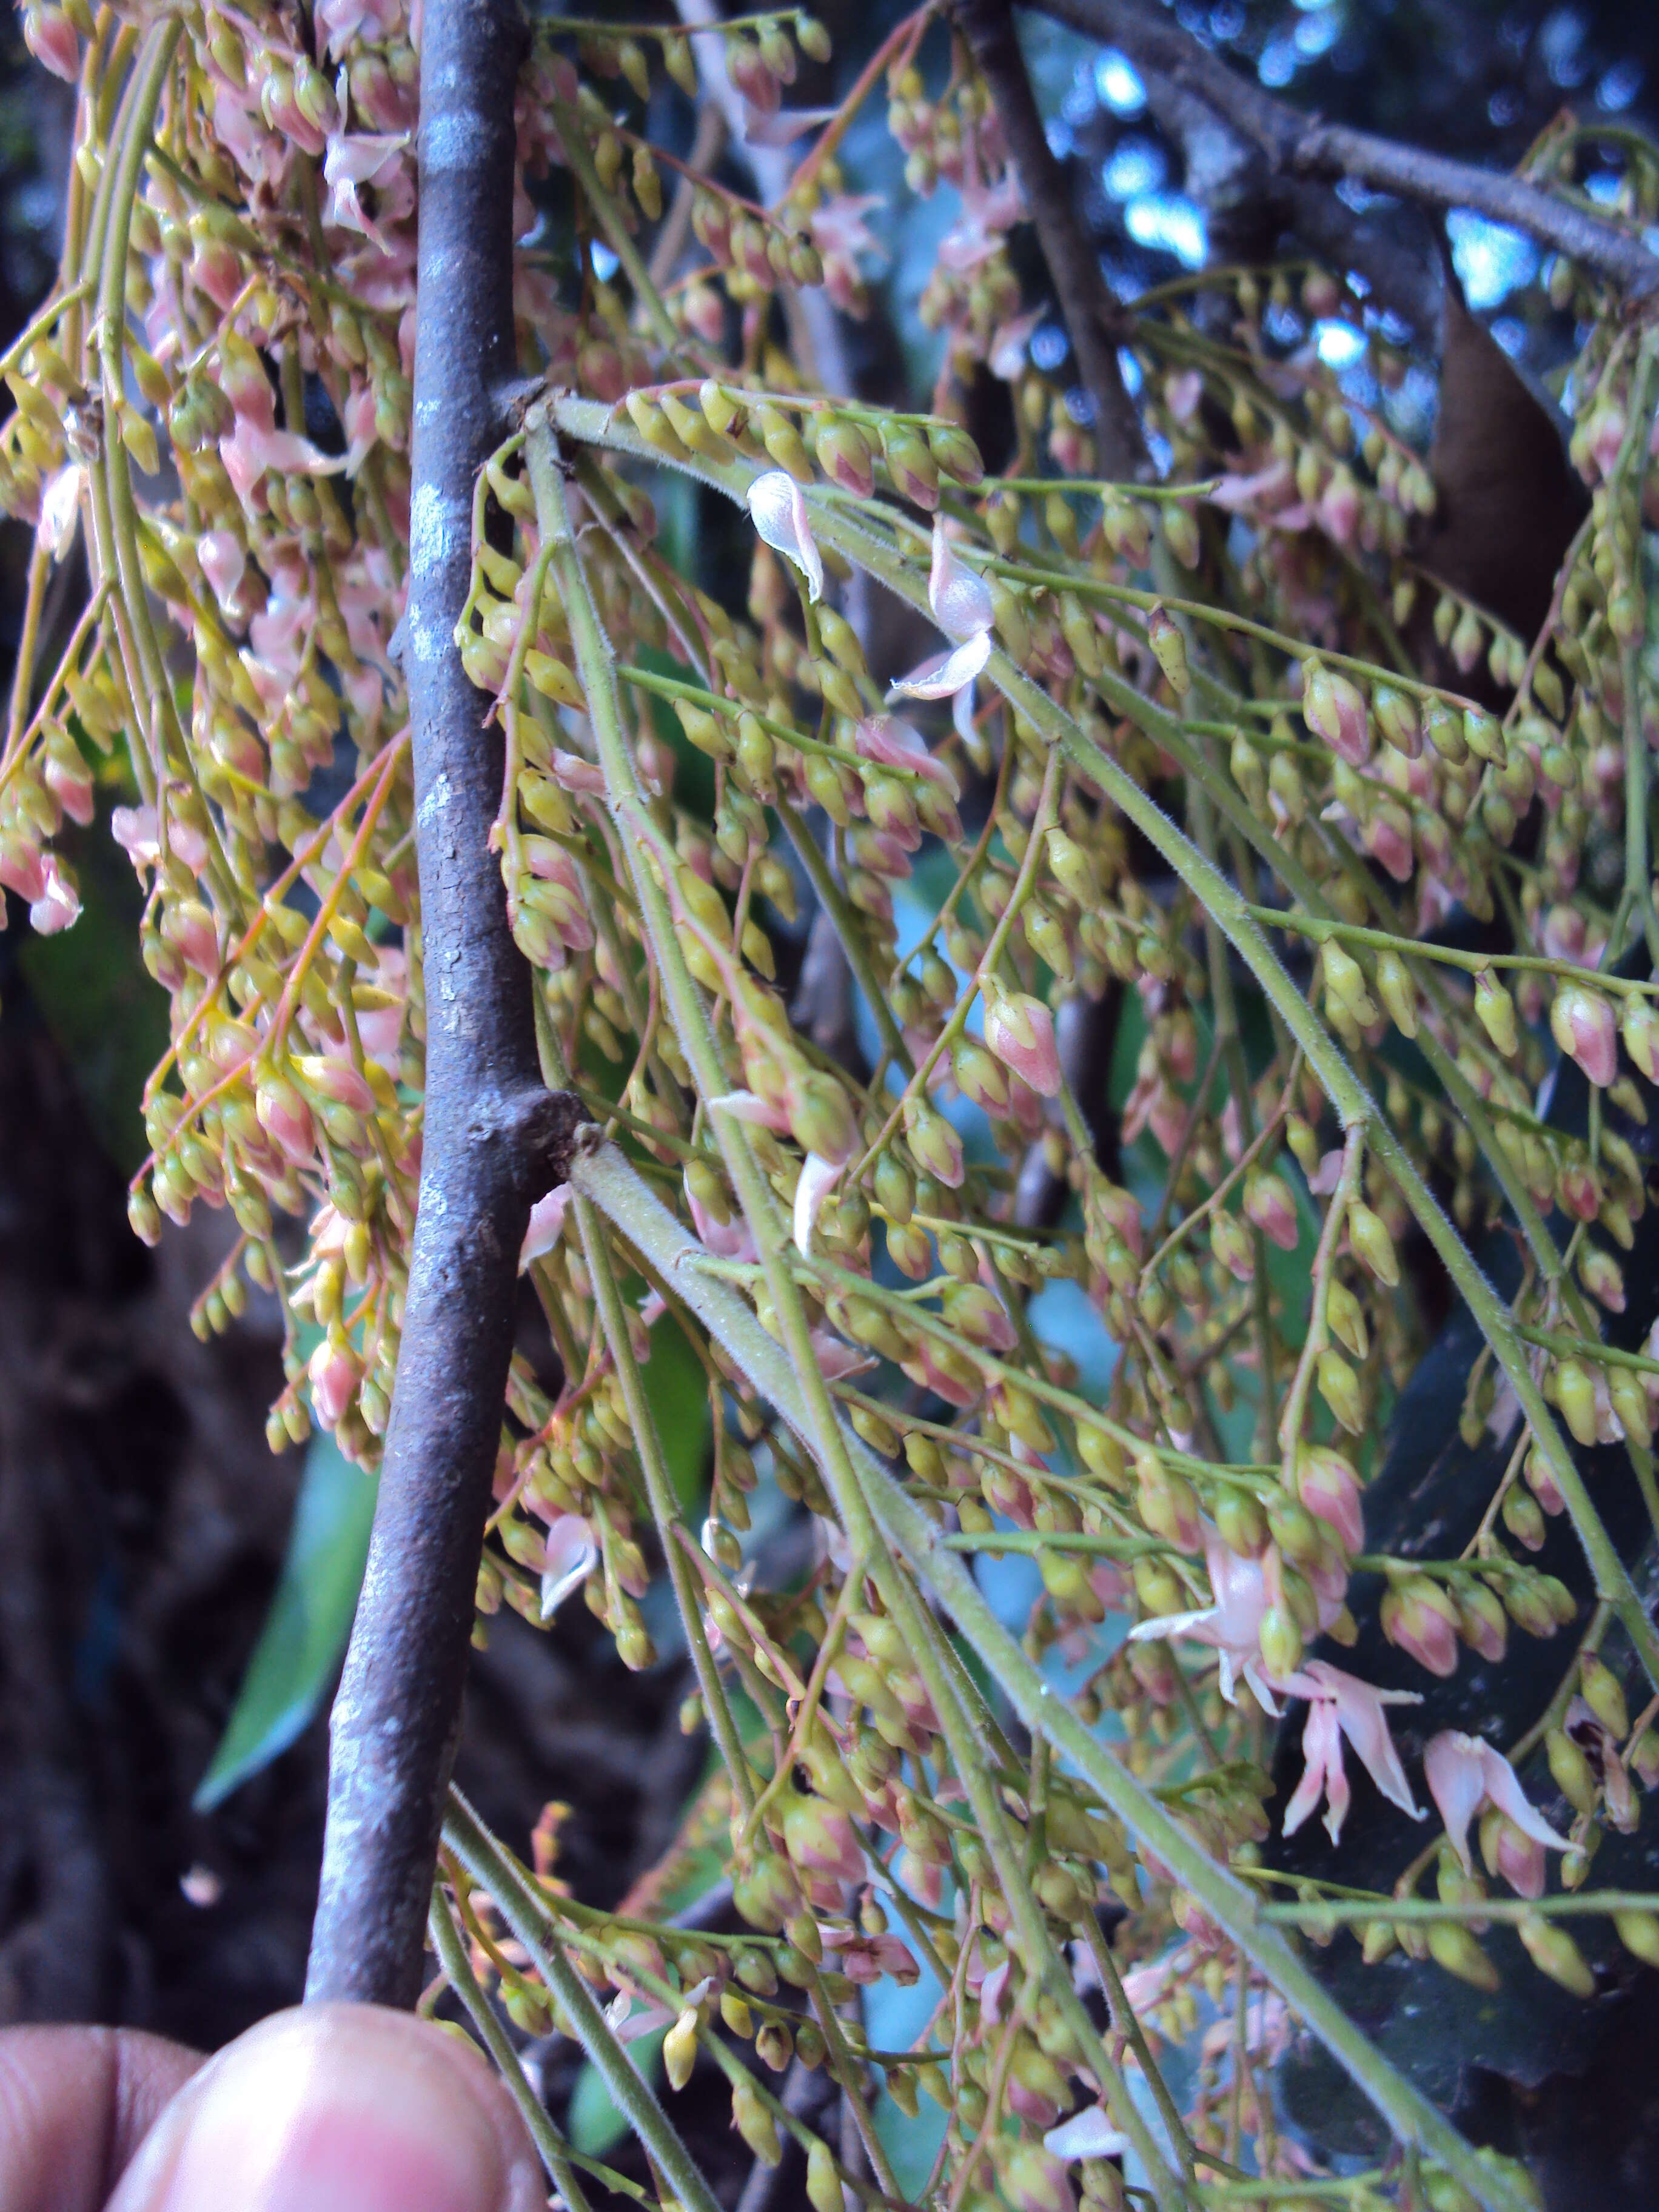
{"x":545,"y":1225}
{"x":816,"y":1176}
{"x":1172,"y":1624}
{"x":961,"y":601}
{"x":745,"y":1106}
{"x":947,"y":673}
{"x":1087,"y":2134}
{"x":569,"y":1553}
{"x":60,"y":508}
{"x":779,"y":513}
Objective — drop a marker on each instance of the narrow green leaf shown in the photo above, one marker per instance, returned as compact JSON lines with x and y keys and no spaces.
{"x":306,"y":1629}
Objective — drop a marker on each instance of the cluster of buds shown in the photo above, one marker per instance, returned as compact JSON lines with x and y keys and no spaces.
{"x":1028,"y":962}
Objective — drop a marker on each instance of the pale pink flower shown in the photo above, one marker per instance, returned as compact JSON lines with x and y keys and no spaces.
{"x":1087,"y":2134}
{"x":778,"y":511}
{"x":59,"y":902}
{"x":727,"y":1240}
{"x":895,"y":744}
{"x":1231,"y":1626}
{"x":545,"y":1225}
{"x":988,"y":212}
{"x":945,"y":674}
{"x":135,"y":830}
{"x":1463,"y":1773}
{"x":568,"y":1557}
{"x":959,"y":596}
{"x":222,"y":561}
{"x":1009,"y":342}
{"x":1341,"y":1704}
{"x":360,"y":158}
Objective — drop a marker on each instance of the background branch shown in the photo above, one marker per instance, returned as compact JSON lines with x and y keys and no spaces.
{"x":1090,"y":315}
{"x":491,"y":1130}
{"x":1299,"y":144}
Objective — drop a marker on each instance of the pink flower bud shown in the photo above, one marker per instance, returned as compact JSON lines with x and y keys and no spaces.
{"x":285,"y":1117}
{"x":1333,"y":709}
{"x":1420,"y":1617}
{"x":335,"y":1081}
{"x":1268,"y":1204}
{"x":22,"y":869}
{"x":49,"y":37}
{"x":333,"y":1375}
{"x":1020,"y":1030}
{"x":1580,"y":1190}
{"x":1328,"y":1485}
{"x":1582,"y":1023}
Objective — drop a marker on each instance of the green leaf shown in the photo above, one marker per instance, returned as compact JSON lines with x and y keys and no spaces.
{"x":677,"y":1383}
{"x":593,"y":2124}
{"x":306,"y":1629}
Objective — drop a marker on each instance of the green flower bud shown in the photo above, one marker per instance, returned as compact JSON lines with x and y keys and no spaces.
{"x":1571,"y":1772}
{"x":1496,"y":1009}
{"x":1554,"y":1953}
{"x":1451,"y":1946}
{"x":1368,"y":1233}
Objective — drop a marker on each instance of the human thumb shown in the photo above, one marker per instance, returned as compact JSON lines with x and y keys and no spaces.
{"x":337,"y":2108}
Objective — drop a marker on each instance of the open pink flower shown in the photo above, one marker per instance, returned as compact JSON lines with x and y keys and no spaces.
{"x":778,"y":511}
{"x":1463,"y":1773}
{"x":1232,"y":1625}
{"x":1341,"y":1704}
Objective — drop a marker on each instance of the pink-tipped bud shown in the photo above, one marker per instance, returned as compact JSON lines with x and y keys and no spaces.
{"x":285,"y":1117}
{"x":1334,"y":710}
{"x":337,"y":1081}
{"x":1268,"y":1204}
{"x":1020,"y":1030}
{"x":845,"y":456}
{"x":1328,"y":1485}
{"x":334,"y":1374}
{"x":22,"y":869}
{"x":49,"y":37}
{"x":1420,"y":1617}
{"x":820,"y":1840}
{"x":1582,"y":1023}
{"x":1580,"y":1190}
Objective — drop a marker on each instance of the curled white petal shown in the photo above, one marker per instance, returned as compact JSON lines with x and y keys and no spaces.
{"x":947,"y":673}
{"x":817,"y":1176}
{"x":1087,"y":2134}
{"x":545,"y":1225}
{"x":569,"y":1554}
{"x":60,"y":508}
{"x":747,"y":1106}
{"x":779,"y":513}
{"x":960,"y":599}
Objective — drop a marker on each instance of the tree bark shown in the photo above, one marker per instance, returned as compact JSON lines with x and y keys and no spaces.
{"x":494,"y":1136}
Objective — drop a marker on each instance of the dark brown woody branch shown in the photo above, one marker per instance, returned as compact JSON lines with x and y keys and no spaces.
{"x":494,"y":1136}
{"x":1302,"y":145}
{"x":1092,"y":315}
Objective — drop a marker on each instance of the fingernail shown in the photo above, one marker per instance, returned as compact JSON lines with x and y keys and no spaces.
{"x":338,"y":2109}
